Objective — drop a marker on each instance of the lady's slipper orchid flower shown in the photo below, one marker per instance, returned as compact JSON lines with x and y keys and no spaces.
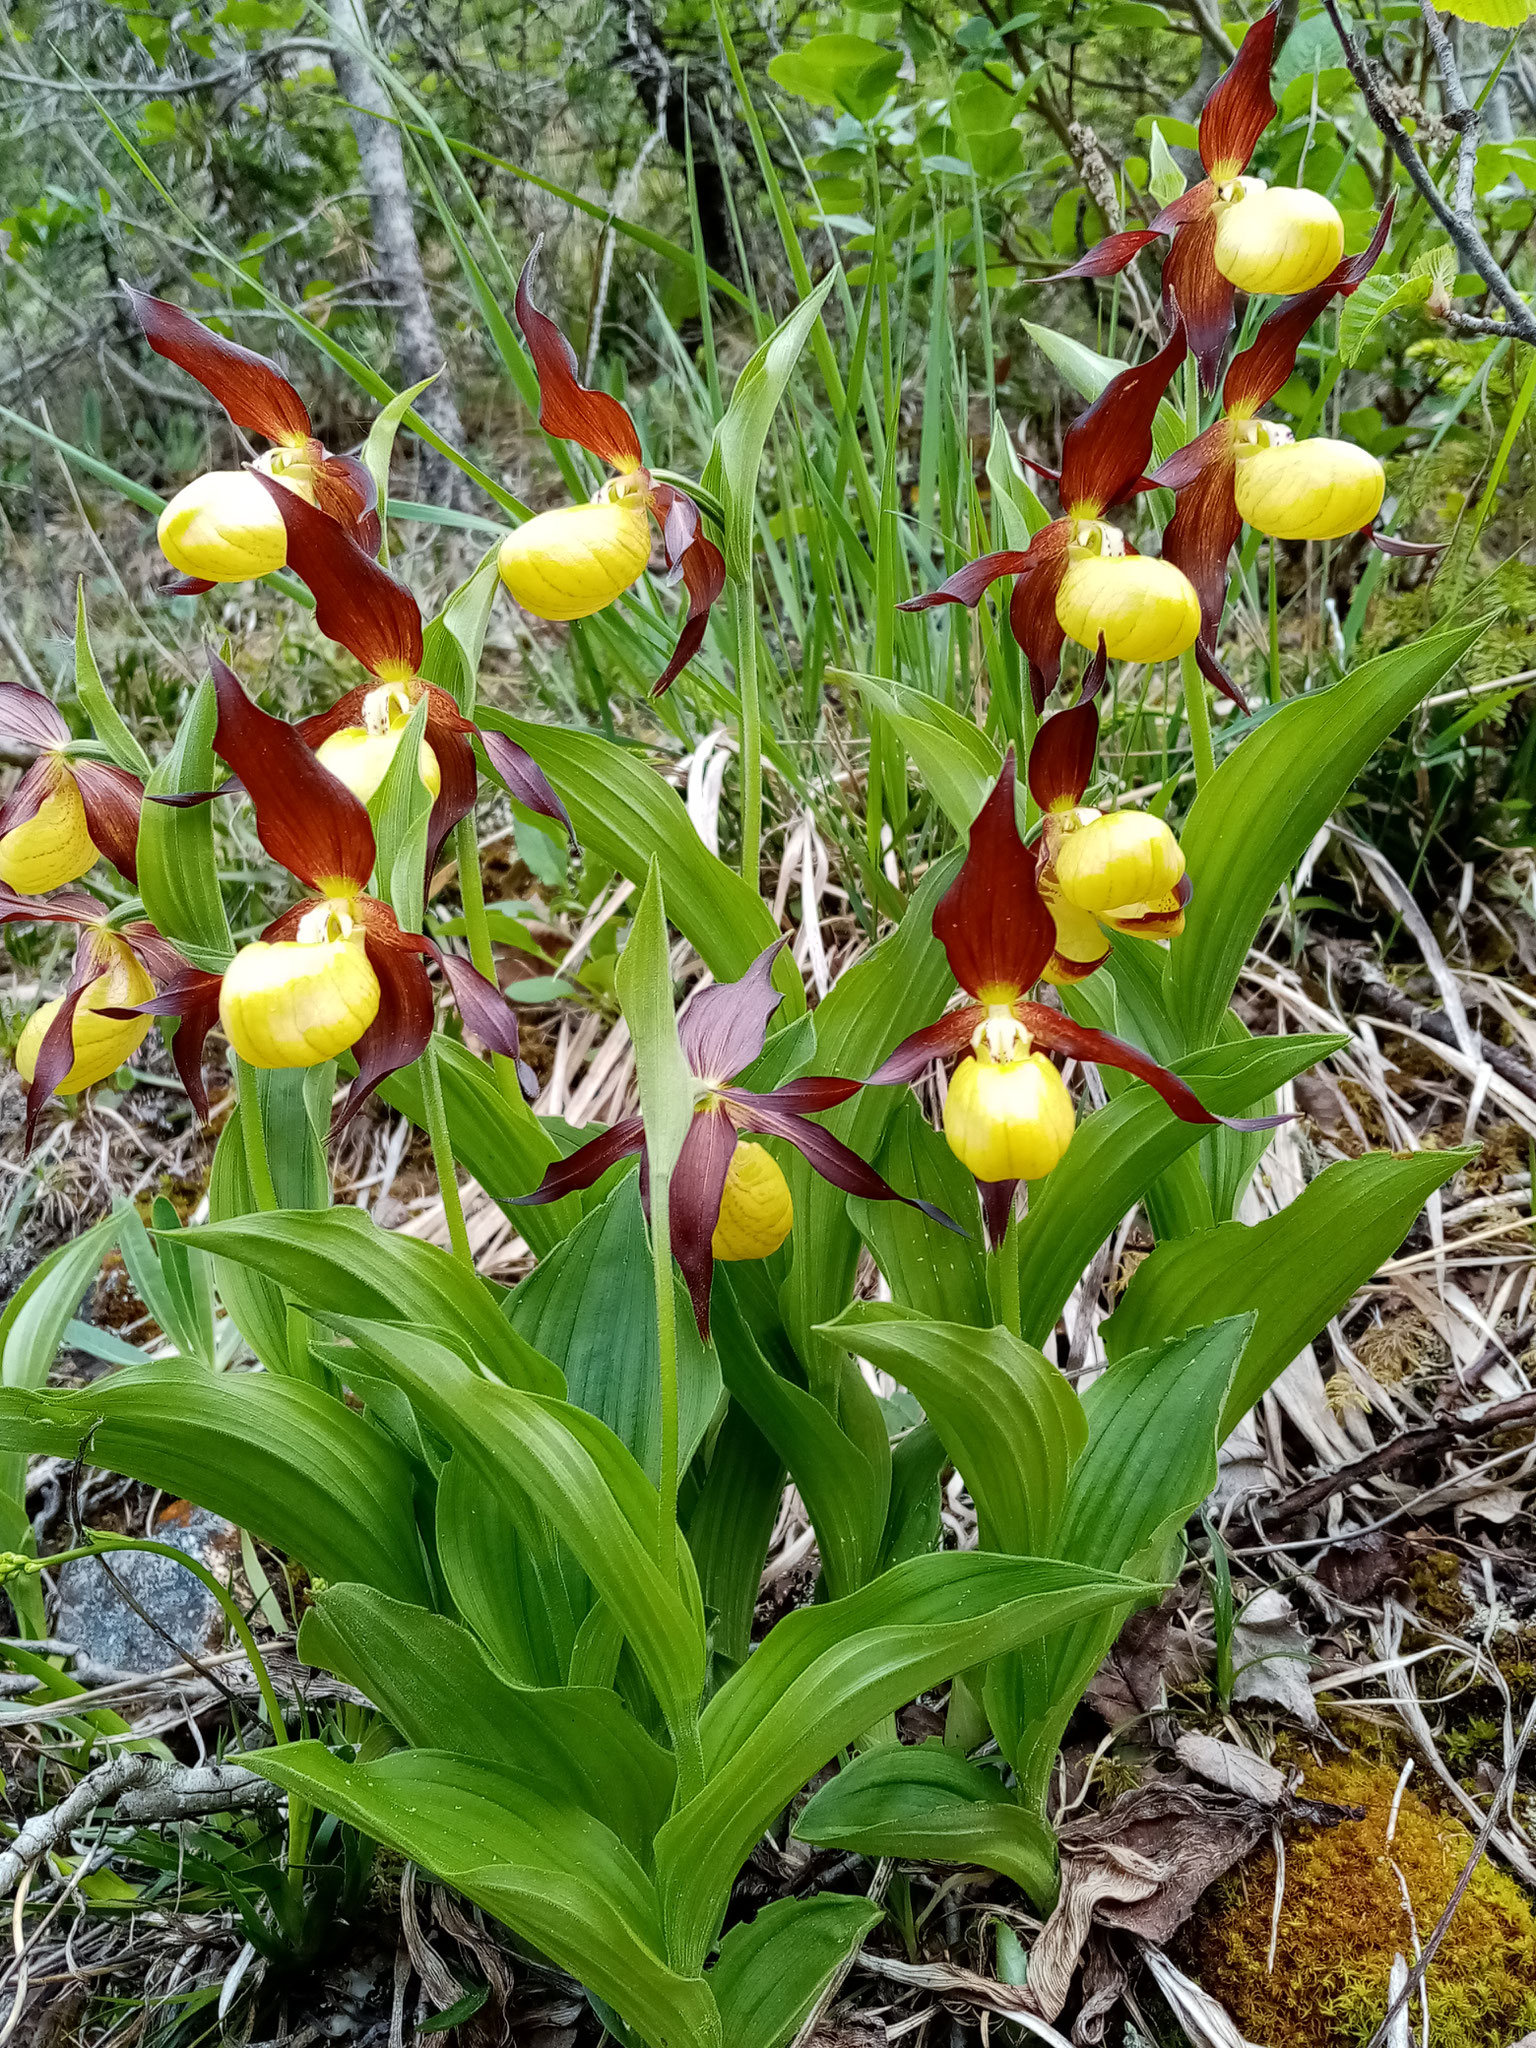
{"x":1243,"y":467}
{"x":1078,"y":579}
{"x":1230,"y":233}
{"x":578,"y":559}
{"x":102,"y":1017}
{"x":1120,"y":869}
{"x":66,"y":810}
{"x":1008,"y":1116}
{"x":221,"y":528}
{"x":729,"y":1199}
{"x":374,"y":616}
{"x":336,"y":972}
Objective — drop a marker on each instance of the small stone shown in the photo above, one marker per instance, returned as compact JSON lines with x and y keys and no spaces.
{"x":93,"y":1615}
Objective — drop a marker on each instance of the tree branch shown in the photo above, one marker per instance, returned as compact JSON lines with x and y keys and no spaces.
{"x":1459,"y":220}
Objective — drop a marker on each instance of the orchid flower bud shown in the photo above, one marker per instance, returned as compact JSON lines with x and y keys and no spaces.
{"x":1145,"y":608}
{"x":1121,"y":860}
{"x":1008,"y":1120}
{"x":756,"y":1208}
{"x":53,"y":846}
{"x":224,"y":527}
{"x":1280,"y":239}
{"x":576,"y":560}
{"x":1308,"y":490}
{"x":296,"y":1002}
{"x":359,"y":755}
{"x":101,"y":1044}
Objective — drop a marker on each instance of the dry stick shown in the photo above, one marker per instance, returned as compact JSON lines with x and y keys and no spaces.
{"x":1461,"y":227}
{"x":1442,"y":1925}
{"x":1413,"y":1443}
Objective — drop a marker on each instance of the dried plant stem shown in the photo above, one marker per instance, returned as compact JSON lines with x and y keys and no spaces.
{"x":442,"y":1154}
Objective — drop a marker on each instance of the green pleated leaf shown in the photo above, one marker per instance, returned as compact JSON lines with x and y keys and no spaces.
{"x":771,"y":1970}
{"x":178,"y":875}
{"x":958,"y":762}
{"x":929,"y":1268}
{"x":106,"y":720}
{"x":927,"y":1805}
{"x":731,"y":1526}
{"x":513,"y":1581}
{"x":644,"y":981}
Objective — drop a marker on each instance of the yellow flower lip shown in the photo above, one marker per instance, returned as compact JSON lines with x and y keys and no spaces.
{"x":296,"y":1002}
{"x":1309,"y":490}
{"x":224,"y":528}
{"x":1119,"y":862}
{"x":577,"y":559}
{"x":1280,"y":239}
{"x":101,"y":1044}
{"x":1145,"y":608}
{"x":54,"y":845}
{"x":360,"y":755}
{"x":757,"y":1211}
{"x":1008,"y":1120}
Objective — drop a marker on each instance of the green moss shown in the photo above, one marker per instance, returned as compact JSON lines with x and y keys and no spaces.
{"x":1342,"y":1922}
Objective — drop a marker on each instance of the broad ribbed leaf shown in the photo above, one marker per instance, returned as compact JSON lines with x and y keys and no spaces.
{"x":519,"y":1588}
{"x":553,"y":1873}
{"x":929,"y":1268}
{"x":178,"y":874}
{"x":1012,"y":1424}
{"x":772,"y":1969}
{"x":429,"y":1677}
{"x":1256,"y":817}
{"x":644,"y":981}
{"x":731,"y":1527}
{"x":339,"y":1263}
{"x":106,"y":719}
{"x":283,"y":1459}
{"x":1120,"y":1151}
{"x":826,"y":1674}
{"x":958,"y":762}
{"x":927,"y":1805}
{"x":1293,"y":1271}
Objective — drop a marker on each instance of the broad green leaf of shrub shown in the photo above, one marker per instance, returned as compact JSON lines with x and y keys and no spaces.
{"x":848,"y":72}
{"x":1121,"y":1150}
{"x":925,"y":1804}
{"x":283,"y":1459}
{"x":1259,"y":812}
{"x":551,"y":1872}
{"x":430,"y":1679}
{"x":772,"y":1969}
{"x":826,"y":1674}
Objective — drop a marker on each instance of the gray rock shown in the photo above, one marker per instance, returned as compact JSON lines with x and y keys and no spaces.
{"x":93,"y":1615}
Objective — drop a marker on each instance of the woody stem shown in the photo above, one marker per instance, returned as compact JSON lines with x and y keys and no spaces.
{"x":442,"y":1154}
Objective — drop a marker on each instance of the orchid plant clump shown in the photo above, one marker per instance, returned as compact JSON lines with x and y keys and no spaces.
{"x":534,"y":1519}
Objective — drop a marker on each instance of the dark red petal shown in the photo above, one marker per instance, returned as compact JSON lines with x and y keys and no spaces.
{"x":1192,"y":205}
{"x":523,"y":778}
{"x":64,"y":906}
{"x":996,"y":1208}
{"x":186,"y":992}
{"x":995,"y":929}
{"x":1195,"y":292}
{"x":1349,"y":275}
{"x":698,"y":1182}
{"x":30,"y":794}
{"x":835,"y":1162}
{"x":1035,"y":626}
{"x":1061,"y":760}
{"x":487,"y":1013}
{"x":1107,"y":258}
{"x":399,"y":1033}
{"x":566,"y":408}
{"x":1186,"y":463}
{"x":251,"y":389}
{"x":112,"y":799}
{"x":458,"y":786}
{"x":1258,"y":373}
{"x":1096,"y":674}
{"x":703,"y":568}
{"x":940,"y":1041}
{"x":183,"y":586}
{"x":585,"y":1167}
{"x":1217,"y":677}
{"x":357,"y":603}
{"x":346,"y":492}
{"x":56,"y":1054}
{"x":1391,"y":545}
{"x":722,"y":1028}
{"x":306,"y":818}
{"x":1106,"y":448}
{"x":1049,"y":1028}
{"x":1240,"y":105}
{"x":969,"y":585}
{"x":1200,"y":536}
{"x":346,"y":711}
{"x":808,"y":1096}
{"x":27,"y":717}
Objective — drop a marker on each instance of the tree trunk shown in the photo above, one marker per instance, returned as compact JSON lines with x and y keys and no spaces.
{"x":396,"y":248}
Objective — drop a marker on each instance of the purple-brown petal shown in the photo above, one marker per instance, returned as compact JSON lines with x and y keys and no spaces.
{"x":722,"y":1027}
{"x":693,"y":1207}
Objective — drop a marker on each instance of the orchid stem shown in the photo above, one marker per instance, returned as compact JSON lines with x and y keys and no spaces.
{"x":666,"y":1359}
{"x":1198,"y":711}
{"x":1003,"y":1285}
{"x":478,"y":931}
{"x":442,"y":1154}
{"x":257,"y":1164}
{"x":744,"y":620}
{"x":1274,"y":624}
